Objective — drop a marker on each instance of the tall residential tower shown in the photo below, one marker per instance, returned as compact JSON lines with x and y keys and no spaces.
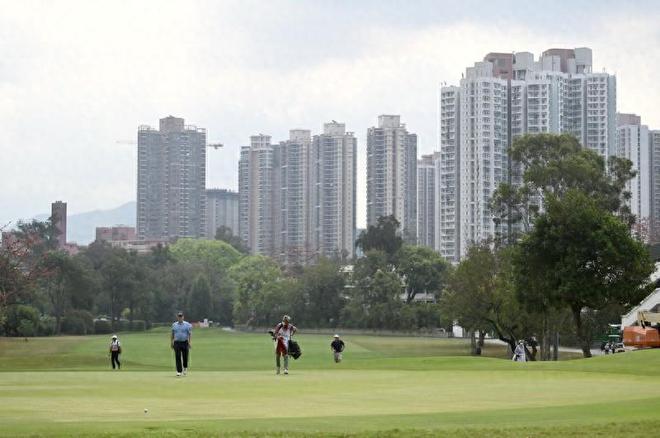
{"x":392,"y":174}
{"x":297,"y":198}
{"x":334,"y":164}
{"x":633,"y":144}
{"x":426,"y":203}
{"x":500,"y":99}
{"x":171,"y":195}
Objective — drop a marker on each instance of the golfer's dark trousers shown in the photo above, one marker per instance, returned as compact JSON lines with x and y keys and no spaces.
{"x":181,"y":352}
{"x":114,"y":355}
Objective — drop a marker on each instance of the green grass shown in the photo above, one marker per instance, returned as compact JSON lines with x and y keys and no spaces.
{"x":386,"y":386}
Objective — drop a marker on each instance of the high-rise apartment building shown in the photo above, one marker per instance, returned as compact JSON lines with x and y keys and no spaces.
{"x":297,"y":198}
{"x":483,"y":150}
{"x":171,"y":195}
{"x":333,"y":214}
{"x":499,"y":100}
{"x":392,"y":174}
{"x":654,"y":147}
{"x":633,"y":144}
{"x":292,"y":219}
{"x":426,"y":204}
{"x":257,"y":200}
{"x":221,"y":210}
{"x":447,"y":167}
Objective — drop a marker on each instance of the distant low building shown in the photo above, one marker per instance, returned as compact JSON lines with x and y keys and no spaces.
{"x":116,"y":233}
{"x":139,"y":246}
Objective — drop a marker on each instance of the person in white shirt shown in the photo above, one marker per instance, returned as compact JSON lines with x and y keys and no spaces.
{"x":519,"y":354}
{"x":282,"y":334}
{"x":115,"y":351}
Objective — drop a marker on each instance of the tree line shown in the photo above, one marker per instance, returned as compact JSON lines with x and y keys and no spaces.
{"x":45,"y":291}
{"x":563,"y":264}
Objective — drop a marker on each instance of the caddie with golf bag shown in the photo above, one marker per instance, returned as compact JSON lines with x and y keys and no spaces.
{"x":282,"y":334}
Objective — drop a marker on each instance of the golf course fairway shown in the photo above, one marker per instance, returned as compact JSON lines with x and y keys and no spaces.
{"x":385,"y":386}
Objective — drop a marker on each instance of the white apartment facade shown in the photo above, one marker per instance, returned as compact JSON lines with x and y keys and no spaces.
{"x":334,"y":185}
{"x":447,"y":168}
{"x":392,"y":174}
{"x":501,"y":99}
{"x":654,"y":147}
{"x":256,"y":197}
{"x":426,"y":200}
{"x":293,"y":182}
{"x":633,"y":144}
{"x":297,"y":198}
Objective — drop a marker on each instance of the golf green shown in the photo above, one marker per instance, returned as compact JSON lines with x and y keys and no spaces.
{"x":386,"y":386}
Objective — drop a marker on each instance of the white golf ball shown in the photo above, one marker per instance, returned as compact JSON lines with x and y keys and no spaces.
{"x":146,"y":410}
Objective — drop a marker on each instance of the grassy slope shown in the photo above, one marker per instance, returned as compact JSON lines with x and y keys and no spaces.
{"x":384,"y":384}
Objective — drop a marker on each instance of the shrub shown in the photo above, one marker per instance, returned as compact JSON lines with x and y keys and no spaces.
{"x":78,"y":322}
{"x":102,"y":327}
{"x":123,"y":325}
{"x":137,"y":325}
{"x":18,"y":313}
{"x":46,"y":326}
{"x":26,"y":328}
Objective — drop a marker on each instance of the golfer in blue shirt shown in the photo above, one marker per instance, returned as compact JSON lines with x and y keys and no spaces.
{"x":181,"y":333}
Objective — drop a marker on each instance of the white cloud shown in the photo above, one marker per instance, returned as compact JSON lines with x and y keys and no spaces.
{"x":77,"y":76}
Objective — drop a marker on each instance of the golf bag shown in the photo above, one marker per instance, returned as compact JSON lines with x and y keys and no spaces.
{"x":294,"y":349}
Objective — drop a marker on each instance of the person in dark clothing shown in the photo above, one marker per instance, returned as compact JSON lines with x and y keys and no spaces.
{"x":180,"y":341}
{"x":337,"y":346}
{"x":115,"y":351}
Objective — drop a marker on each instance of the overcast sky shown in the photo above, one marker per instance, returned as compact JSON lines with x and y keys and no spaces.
{"x":76,"y":76}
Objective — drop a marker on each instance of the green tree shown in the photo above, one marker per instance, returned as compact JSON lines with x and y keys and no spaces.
{"x":200,"y":303}
{"x":21,"y":264}
{"x":225,"y":234}
{"x":374,"y":301}
{"x":580,"y":256}
{"x":21,"y":320}
{"x":67,"y":282}
{"x":384,"y":236}
{"x":556,"y":164}
{"x":211,"y":255}
{"x":320,"y":297}
{"x":118,"y":281}
{"x":39,"y":236}
{"x":213,"y":259}
{"x":480,"y":296}
{"x":423,"y":270}
{"x":254,"y":276}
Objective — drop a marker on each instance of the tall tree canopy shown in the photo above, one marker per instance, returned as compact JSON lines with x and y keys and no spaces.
{"x":422,"y":269}
{"x":384,"y":236}
{"x":580,"y":256}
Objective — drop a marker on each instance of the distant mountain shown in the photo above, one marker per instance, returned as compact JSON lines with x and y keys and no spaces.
{"x":81,"y":227}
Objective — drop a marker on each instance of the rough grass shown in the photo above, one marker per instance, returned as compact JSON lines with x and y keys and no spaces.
{"x":384,"y":387}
